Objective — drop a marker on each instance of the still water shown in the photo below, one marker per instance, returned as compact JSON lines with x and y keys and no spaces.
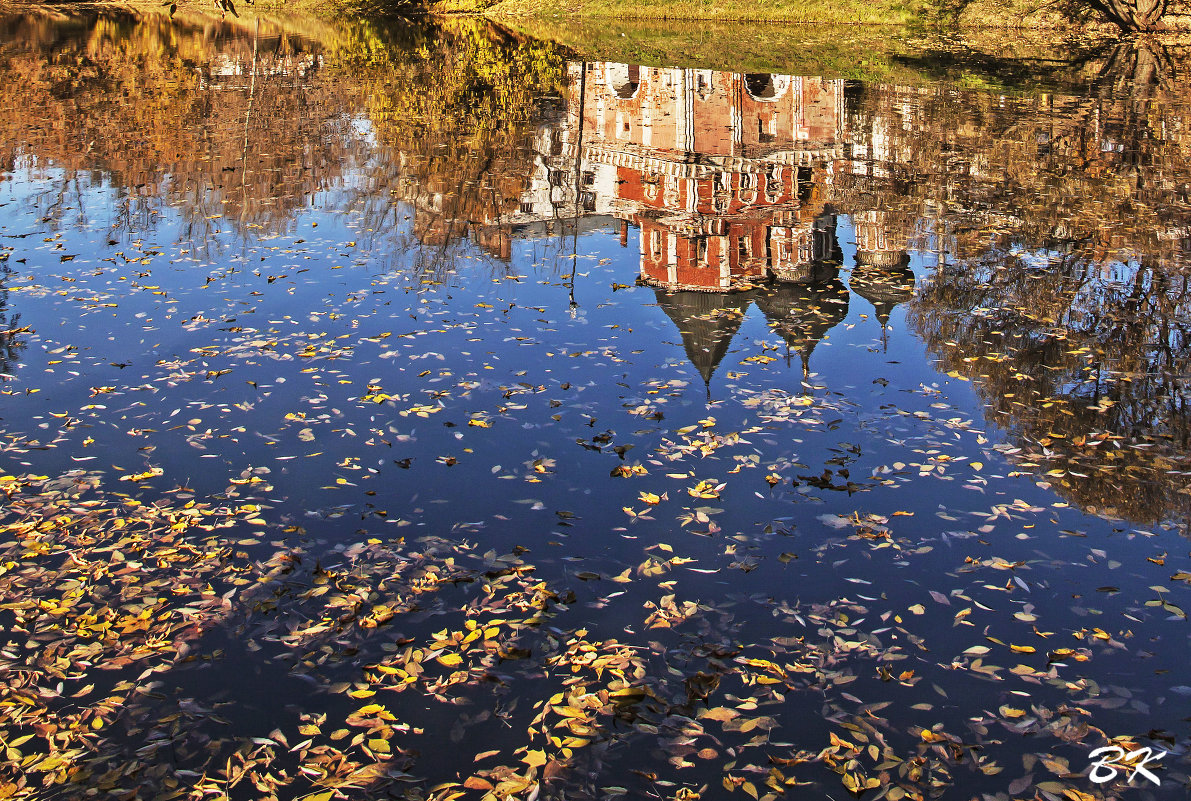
{"x":432,"y":411}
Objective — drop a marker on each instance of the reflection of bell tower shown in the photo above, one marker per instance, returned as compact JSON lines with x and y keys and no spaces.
{"x":806,"y":253}
{"x":882,"y":275}
{"x":878,"y":244}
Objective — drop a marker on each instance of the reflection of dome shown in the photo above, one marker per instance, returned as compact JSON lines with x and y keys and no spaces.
{"x":764,"y":86}
{"x":802,"y":314}
{"x":707,"y":322}
{"x":882,"y":287}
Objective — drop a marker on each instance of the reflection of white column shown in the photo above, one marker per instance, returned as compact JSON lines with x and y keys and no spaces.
{"x":671,"y":257}
{"x":839,"y":110}
{"x":797,"y":98}
{"x":683,"y":111}
{"x":737,"y":122}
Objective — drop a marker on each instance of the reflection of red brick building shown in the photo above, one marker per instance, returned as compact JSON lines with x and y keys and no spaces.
{"x":722,"y":172}
{"x":708,"y":112}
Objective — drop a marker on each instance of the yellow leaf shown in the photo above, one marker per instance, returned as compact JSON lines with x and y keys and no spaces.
{"x":535,"y":758}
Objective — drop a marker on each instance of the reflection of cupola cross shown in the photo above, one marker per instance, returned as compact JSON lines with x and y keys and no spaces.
{"x":885,"y":280}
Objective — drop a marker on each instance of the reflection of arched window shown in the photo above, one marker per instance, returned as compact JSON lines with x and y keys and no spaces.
{"x":703,"y":84}
{"x":624,"y":79}
{"x":765,"y":86}
{"x":773,"y":183}
{"x":748,"y":187}
{"x":670,"y":197}
{"x":649,"y":185}
{"x":655,"y":245}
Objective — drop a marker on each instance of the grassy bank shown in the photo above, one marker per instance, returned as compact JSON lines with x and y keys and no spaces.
{"x":959,"y":14}
{"x":978,"y":58}
{"x":545,"y":16}
{"x":866,"y":52}
{"x":844,"y":12}
{"x":966,"y":13}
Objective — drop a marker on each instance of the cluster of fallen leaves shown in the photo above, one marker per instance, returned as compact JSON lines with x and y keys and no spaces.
{"x":99,"y":593}
{"x":114,"y":606}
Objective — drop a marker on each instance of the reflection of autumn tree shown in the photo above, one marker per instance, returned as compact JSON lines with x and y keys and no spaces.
{"x":213,"y":117}
{"x":241,"y":123}
{"x":457,"y":101}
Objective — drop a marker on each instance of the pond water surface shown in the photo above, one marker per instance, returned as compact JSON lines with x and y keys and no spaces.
{"x":424,"y":410}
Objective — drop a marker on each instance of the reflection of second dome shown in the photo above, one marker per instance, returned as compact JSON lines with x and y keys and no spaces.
{"x":803,"y":313}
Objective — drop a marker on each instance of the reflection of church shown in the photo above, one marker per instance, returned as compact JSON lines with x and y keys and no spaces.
{"x":722,"y":172}
{"x":730,"y":180}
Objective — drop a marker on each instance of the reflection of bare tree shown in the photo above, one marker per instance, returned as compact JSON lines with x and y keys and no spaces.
{"x":1062,"y":222}
{"x":1090,"y":371}
{"x":11,"y":342}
